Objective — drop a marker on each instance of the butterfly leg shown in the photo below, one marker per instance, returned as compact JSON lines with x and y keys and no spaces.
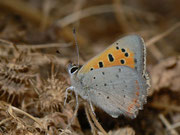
{"x":66,"y":93}
{"x":75,"y":112}
{"x":92,"y":109}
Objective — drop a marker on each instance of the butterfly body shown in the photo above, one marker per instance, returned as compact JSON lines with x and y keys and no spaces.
{"x":116,"y":79}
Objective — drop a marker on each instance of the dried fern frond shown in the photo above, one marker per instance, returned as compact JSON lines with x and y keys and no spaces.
{"x":15,"y":74}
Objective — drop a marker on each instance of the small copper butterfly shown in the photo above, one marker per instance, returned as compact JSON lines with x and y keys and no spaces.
{"x":116,"y":79}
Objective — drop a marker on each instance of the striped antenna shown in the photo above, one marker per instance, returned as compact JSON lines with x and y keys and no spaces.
{"x":77,"y":48}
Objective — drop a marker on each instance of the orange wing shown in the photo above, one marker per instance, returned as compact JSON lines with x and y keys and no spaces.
{"x":123,"y":52}
{"x":110,"y":57}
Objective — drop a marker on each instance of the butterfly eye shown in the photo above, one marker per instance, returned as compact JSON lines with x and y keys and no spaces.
{"x":73,"y":70}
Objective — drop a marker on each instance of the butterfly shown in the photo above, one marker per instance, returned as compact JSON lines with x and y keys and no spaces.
{"x":115,"y":80}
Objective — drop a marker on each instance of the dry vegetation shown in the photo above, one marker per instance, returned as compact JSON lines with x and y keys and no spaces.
{"x":33,"y":77}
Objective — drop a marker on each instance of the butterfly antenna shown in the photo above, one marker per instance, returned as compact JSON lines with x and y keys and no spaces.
{"x":77,"y":48}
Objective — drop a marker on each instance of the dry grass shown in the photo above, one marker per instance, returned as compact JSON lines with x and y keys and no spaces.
{"x":33,"y":77}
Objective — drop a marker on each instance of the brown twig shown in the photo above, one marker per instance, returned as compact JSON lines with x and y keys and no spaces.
{"x":5,"y":120}
{"x":9,"y":43}
{"x":93,"y":128}
{"x":77,"y":7}
{"x":119,"y":13}
{"x":34,"y":46}
{"x":47,"y":6}
{"x":25,"y":10}
{"x":12,"y":108}
{"x":69,"y":19}
{"x":168,"y":125}
{"x":166,"y":106}
{"x":158,"y":37}
{"x":176,"y":125}
{"x":98,"y":125}
{"x":150,"y":43}
{"x":95,"y":10}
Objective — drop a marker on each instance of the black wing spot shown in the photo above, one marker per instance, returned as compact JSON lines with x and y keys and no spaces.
{"x":99,"y":93}
{"x":111,"y":59}
{"x":94,"y":77}
{"x":119,"y":70}
{"x":123,"y":92}
{"x":135,"y":60}
{"x":117,"y":47}
{"x":91,"y":69}
{"x":122,"y":61}
{"x":105,"y":84}
{"x":123,"y":50}
{"x":117,"y":43}
{"x":100,"y":64}
{"x":96,"y":85}
{"x":103,"y":73}
{"x":126,"y":54}
{"x":107,"y":97}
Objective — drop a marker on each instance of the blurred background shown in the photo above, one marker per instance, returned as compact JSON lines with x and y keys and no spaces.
{"x":33,"y":76}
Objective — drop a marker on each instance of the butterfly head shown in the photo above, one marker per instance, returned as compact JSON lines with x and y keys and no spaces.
{"x":73,"y":69}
